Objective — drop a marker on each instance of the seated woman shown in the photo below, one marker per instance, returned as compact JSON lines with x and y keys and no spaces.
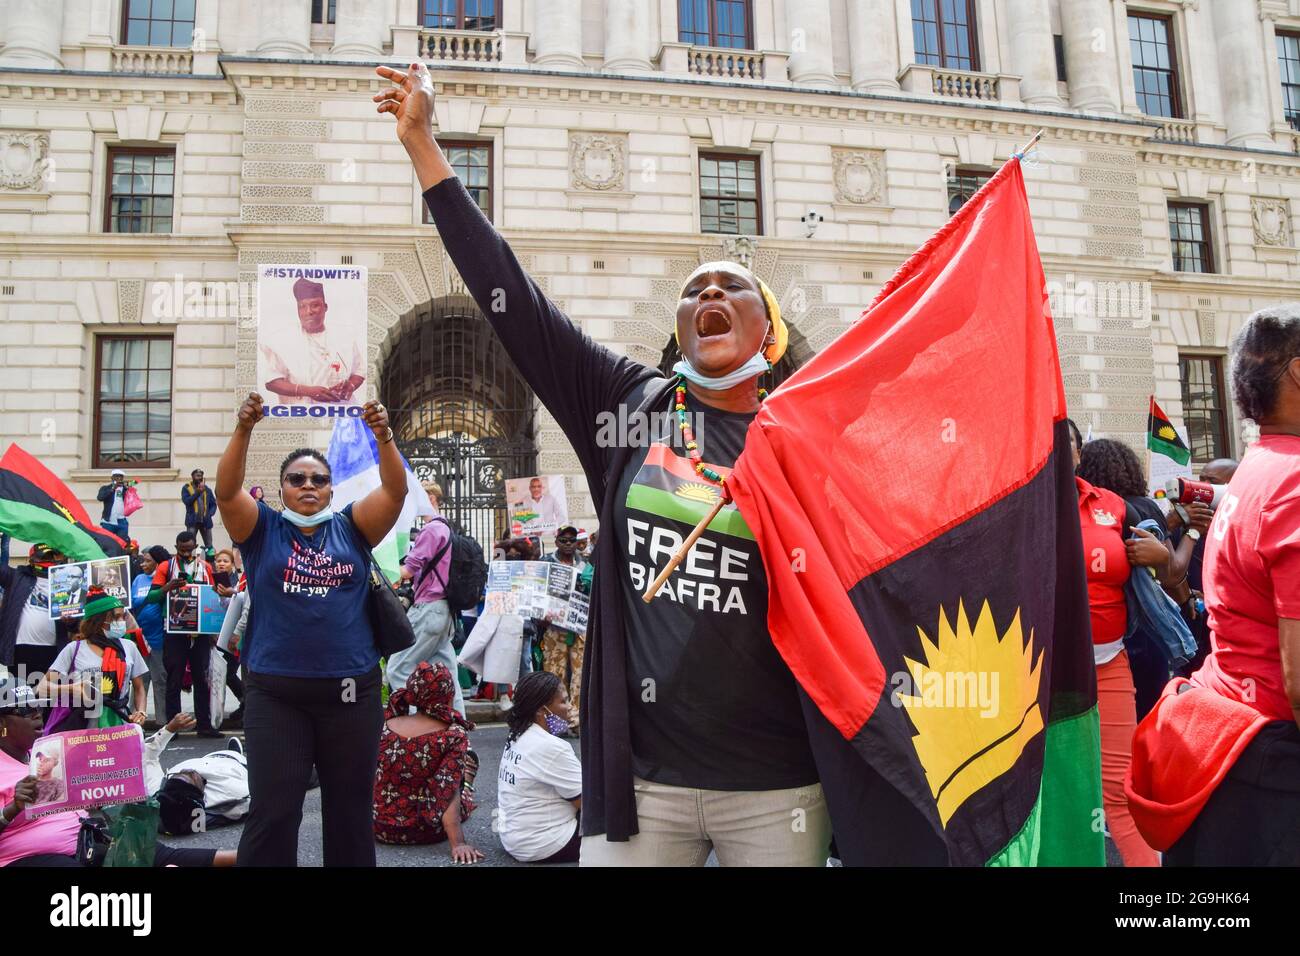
{"x":50,"y":840}
{"x":424,"y":788}
{"x":98,"y":678}
{"x":539,"y":788}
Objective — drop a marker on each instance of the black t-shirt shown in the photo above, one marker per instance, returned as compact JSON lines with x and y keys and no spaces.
{"x":712,"y":704}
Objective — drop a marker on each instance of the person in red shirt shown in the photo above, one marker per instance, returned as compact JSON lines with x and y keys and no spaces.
{"x":1219,"y":778}
{"x":1103,"y":516}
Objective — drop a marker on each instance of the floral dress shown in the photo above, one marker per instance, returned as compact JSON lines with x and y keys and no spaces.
{"x":418,"y":777}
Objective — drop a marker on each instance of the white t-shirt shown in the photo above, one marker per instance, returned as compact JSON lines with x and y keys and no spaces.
{"x":87,"y":663}
{"x":35,"y":627}
{"x":118,"y":510}
{"x":540,"y":775}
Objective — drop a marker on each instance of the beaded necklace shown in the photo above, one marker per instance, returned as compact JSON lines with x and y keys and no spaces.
{"x":692,"y":447}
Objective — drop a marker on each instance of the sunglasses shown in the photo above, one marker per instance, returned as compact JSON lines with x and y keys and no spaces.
{"x":297,"y":479}
{"x":566,"y":540}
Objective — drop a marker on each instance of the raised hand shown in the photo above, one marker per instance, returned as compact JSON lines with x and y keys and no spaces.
{"x":410,"y":100}
{"x":250,"y":413}
{"x":376,"y":416}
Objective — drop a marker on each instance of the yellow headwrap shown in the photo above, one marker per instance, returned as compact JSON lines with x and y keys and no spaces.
{"x":774,"y":351}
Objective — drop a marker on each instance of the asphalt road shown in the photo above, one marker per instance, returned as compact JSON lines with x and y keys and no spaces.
{"x":488,"y":740}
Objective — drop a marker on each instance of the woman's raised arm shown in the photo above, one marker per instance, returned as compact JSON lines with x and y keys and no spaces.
{"x":238,"y":510}
{"x":576,"y":378}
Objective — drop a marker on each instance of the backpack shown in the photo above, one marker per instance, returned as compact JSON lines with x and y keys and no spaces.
{"x":467,"y":572}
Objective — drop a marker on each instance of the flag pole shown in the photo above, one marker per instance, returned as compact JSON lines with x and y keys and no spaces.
{"x":677,"y":558}
{"x":1030,"y":145}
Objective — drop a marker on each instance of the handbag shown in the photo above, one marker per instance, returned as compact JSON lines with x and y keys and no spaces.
{"x":388,"y":621}
{"x":92,"y":841}
{"x":131,"y":501}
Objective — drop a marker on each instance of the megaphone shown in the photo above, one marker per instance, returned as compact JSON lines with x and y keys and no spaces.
{"x":1185,"y":491}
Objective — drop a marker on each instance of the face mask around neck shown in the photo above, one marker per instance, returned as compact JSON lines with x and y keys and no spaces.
{"x":308,"y":521}
{"x":754,"y":367}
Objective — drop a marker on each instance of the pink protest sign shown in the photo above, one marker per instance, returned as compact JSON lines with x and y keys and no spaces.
{"x":87,"y":768}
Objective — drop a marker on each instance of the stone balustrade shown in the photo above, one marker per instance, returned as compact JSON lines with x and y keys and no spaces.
{"x":725,"y":63}
{"x":157,"y":60}
{"x":460,"y":46}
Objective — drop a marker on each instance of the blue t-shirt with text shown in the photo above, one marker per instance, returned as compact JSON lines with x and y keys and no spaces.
{"x":308,"y":598}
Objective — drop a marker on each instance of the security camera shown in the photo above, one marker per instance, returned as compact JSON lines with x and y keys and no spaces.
{"x":811,"y":219}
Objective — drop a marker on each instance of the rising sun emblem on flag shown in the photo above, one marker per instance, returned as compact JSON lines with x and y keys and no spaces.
{"x":1167,"y":433}
{"x":975,"y":706}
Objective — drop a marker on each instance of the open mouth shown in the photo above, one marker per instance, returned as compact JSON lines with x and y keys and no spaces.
{"x":711,"y":321}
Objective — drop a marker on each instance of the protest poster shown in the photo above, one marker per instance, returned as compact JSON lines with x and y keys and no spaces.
{"x":183,"y":610}
{"x":537,"y":589}
{"x":69,"y":584}
{"x":537,"y":505}
{"x":79,"y":769}
{"x":311,"y":340}
{"x":212,"y":609}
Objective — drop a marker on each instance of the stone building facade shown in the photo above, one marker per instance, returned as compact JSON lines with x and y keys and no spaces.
{"x":594,"y":122}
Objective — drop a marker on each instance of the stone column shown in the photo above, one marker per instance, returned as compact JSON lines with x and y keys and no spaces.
{"x":359,"y":30}
{"x":873,"y":46}
{"x":1033,"y":56}
{"x":34,"y":34}
{"x":1243,"y":77}
{"x":1090,"y":61}
{"x":284,"y":29}
{"x":627,"y":36}
{"x":557,"y":34}
{"x":809,"y":23}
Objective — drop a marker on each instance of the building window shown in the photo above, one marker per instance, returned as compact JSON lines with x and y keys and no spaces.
{"x":1058,"y":46}
{"x":1204,"y":407}
{"x":964,"y":183}
{"x":1155,"y":69}
{"x":943,"y":32}
{"x":730,"y":200}
{"x":1189,"y":237}
{"x":141,"y":183}
{"x":322,"y":11}
{"x":459,"y":14}
{"x":133,"y":401}
{"x":723,"y":23}
{"x":158,"y":22}
{"x":472,"y":163}
{"x":1288,"y":61}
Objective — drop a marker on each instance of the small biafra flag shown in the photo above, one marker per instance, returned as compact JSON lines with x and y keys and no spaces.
{"x":1163,"y":438}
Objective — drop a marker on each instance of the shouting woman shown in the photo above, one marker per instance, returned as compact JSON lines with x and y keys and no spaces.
{"x":312,"y":696}
{"x":693,"y":737}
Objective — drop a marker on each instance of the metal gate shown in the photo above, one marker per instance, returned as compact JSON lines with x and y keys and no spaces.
{"x":462,"y":414}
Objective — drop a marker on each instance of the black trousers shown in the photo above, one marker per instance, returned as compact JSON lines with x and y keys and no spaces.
{"x":1253,"y":817}
{"x":205,"y":534}
{"x":291,"y":724}
{"x":177,"y":649}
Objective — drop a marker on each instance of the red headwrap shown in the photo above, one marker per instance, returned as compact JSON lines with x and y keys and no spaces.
{"x":430,"y":690}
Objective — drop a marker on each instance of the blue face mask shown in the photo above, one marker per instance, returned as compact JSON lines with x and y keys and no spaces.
{"x":558,"y":726}
{"x":308,"y":521}
{"x":754,"y":367}
{"x":116,"y":630}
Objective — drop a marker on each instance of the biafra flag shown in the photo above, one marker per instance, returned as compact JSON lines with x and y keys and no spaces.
{"x":1163,"y":438}
{"x":38,"y":508}
{"x":912,"y":492}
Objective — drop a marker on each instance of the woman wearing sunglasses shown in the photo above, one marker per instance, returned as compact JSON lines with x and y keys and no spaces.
{"x":312,"y":694}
